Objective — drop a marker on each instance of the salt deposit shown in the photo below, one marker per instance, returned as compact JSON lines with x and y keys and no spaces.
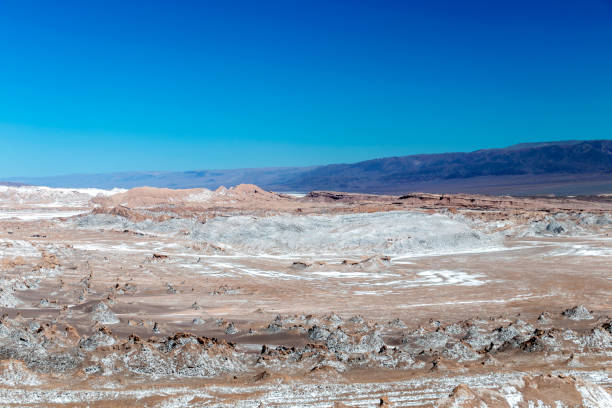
{"x":36,"y":196}
{"x":390,"y":233}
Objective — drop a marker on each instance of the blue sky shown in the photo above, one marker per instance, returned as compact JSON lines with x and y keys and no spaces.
{"x":103,"y":86}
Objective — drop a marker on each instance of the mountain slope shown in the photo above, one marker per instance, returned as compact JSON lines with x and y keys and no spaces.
{"x":547,"y":162}
{"x":563,"y":168}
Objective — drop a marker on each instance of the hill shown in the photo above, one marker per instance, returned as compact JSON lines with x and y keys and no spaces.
{"x":561,"y":168}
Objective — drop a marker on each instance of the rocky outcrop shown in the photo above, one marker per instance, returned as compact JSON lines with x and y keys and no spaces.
{"x":102,"y":313}
{"x":540,"y":391}
{"x":578,"y":313}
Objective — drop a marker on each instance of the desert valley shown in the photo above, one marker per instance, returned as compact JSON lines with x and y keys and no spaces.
{"x":241,"y":297}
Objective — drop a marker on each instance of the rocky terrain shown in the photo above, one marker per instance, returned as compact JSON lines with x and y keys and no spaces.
{"x":242,"y":297}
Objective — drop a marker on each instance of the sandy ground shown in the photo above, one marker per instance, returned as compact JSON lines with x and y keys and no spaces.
{"x":303,"y":301}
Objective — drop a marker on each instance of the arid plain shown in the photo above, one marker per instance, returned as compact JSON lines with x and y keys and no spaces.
{"x":244,"y":297}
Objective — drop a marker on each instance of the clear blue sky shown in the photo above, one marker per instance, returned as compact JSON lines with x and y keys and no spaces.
{"x":102,"y":86}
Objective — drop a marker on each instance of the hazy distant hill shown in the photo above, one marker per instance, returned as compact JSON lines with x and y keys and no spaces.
{"x":187,"y":179}
{"x":516,"y":169}
{"x":569,"y":167}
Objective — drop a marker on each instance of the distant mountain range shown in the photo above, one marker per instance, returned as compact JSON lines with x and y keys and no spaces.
{"x":561,"y":168}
